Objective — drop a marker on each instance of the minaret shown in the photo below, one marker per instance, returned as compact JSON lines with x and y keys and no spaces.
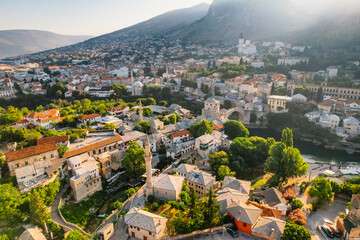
{"x":11,"y":87}
{"x":148,"y":157}
{"x":132,"y":82}
{"x":140,"y":111}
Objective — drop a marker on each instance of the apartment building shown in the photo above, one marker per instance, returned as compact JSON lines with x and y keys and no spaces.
{"x":86,"y":178}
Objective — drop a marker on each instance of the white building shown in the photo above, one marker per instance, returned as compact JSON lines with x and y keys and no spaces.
{"x":351,"y":125}
{"x":329,"y":121}
{"x":332,"y":71}
{"x":246,"y":48}
{"x":299,"y":98}
{"x":292,"y":60}
{"x":138,"y":88}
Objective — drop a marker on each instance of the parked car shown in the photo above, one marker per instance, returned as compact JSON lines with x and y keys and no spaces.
{"x":333,"y":228}
{"x":327,"y":231}
{"x":232,"y":232}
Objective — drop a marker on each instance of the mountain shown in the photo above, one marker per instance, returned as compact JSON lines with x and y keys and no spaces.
{"x":162,"y":24}
{"x":332,"y":32}
{"x":256,"y":19}
{"x":18,"y":42}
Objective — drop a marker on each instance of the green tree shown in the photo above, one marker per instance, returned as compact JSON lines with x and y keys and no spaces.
{"x":119,"y":89}
{"x":319,"y":95}
{"x":193,"y":203}
{"x":143,"y":126}
{"x":146,"y":111}
{"x":38,"y":210}
{"x":184,"y":197}
{"x":287,"y":137}
{"x":234,"y":129}
{"x":163,"y":103}
{"x":294,"y":231}
{"x":218,"y":159}
{"x":110,"y":126}
{"x":321,"y":189}
{"x":174,"y":118}
{"x":201,"y":128}
{"x":117,"y":205}
{"x":62,"y":150}
{"x":10,"y":200}
{"x":253,"y":117}
{"x":223,"y":172}
{"x":211,"y":213}
{"x":134,"y":162}
{"x":296,"y":203}
{"x":285,"y":162}
{"x":18,"y":89}
{"x":76,"y":235}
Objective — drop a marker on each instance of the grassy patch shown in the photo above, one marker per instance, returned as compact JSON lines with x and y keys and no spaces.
{"x":259,"y":183}
{"x":79,"y":213}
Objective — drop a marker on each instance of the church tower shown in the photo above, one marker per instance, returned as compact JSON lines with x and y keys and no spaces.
{"x":148,"y":157}
{"x":140,"y":111}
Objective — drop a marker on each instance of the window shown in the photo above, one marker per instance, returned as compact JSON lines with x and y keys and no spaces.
{"x":26,"y":163}
{"x":16,"y":165}
{"x":244,"y":225}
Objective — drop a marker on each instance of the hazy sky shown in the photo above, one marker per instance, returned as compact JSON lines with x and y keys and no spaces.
{"x":95,"y":17}
{"x":83,"y":17}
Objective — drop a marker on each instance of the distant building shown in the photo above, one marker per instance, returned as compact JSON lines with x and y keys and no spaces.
{"x":332,"y":71}
{"x":278,"y":103}
{"x":40,"y":119}
{"x":299,"y":98}
{"x":292,"y":60}
{"x":246,"y":48}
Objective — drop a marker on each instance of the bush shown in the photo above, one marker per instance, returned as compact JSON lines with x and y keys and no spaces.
{"x":336,"y":188}
{"x":341,"y":214}
{"x":290,"y":193}
{"x":296,"y":204}
{"x":155,"y":206}
{"x":303,"y":186}
{"x":151,"y":198}
{"x":117,"y":205}
{"x":298,"y":217}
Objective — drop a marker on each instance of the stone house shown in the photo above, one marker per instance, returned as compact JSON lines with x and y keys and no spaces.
{"x":144,"y":225}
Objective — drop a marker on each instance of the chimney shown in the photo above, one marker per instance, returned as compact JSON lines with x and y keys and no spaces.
{"x":272,"y":231}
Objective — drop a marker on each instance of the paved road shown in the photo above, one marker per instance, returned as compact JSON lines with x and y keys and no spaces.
{"x":328,"y":211}
{"x":226,"y":236}
{"x":53,"y":209}
{"x":120,"y":231}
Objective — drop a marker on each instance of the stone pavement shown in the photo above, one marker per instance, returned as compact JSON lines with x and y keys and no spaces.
{"x":54,"y":213}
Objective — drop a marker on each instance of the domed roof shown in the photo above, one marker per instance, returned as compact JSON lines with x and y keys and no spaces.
{"x":138,"y":84}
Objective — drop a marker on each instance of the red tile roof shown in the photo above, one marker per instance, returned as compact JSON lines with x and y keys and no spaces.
{"x":30,"y":151}
{"x":55,"y":139}
{"x":93,"y":115}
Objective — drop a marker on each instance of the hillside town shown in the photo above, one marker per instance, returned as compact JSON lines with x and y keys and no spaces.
{"x":150,"y":138}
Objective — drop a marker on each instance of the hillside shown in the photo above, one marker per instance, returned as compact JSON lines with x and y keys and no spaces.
{"x":18,"y":42}
{"x":161,"y":24}
{"x":341,"y":32}
{"x":256,"y":19}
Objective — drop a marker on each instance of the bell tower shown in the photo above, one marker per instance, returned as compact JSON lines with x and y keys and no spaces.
{"x":148,"y":158}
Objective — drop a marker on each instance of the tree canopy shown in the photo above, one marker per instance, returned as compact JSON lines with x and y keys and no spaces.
{"x":201,"y":128}
{"x":234,"y":129}
{"x":294,"y":231}
{"x":134,"y":162}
